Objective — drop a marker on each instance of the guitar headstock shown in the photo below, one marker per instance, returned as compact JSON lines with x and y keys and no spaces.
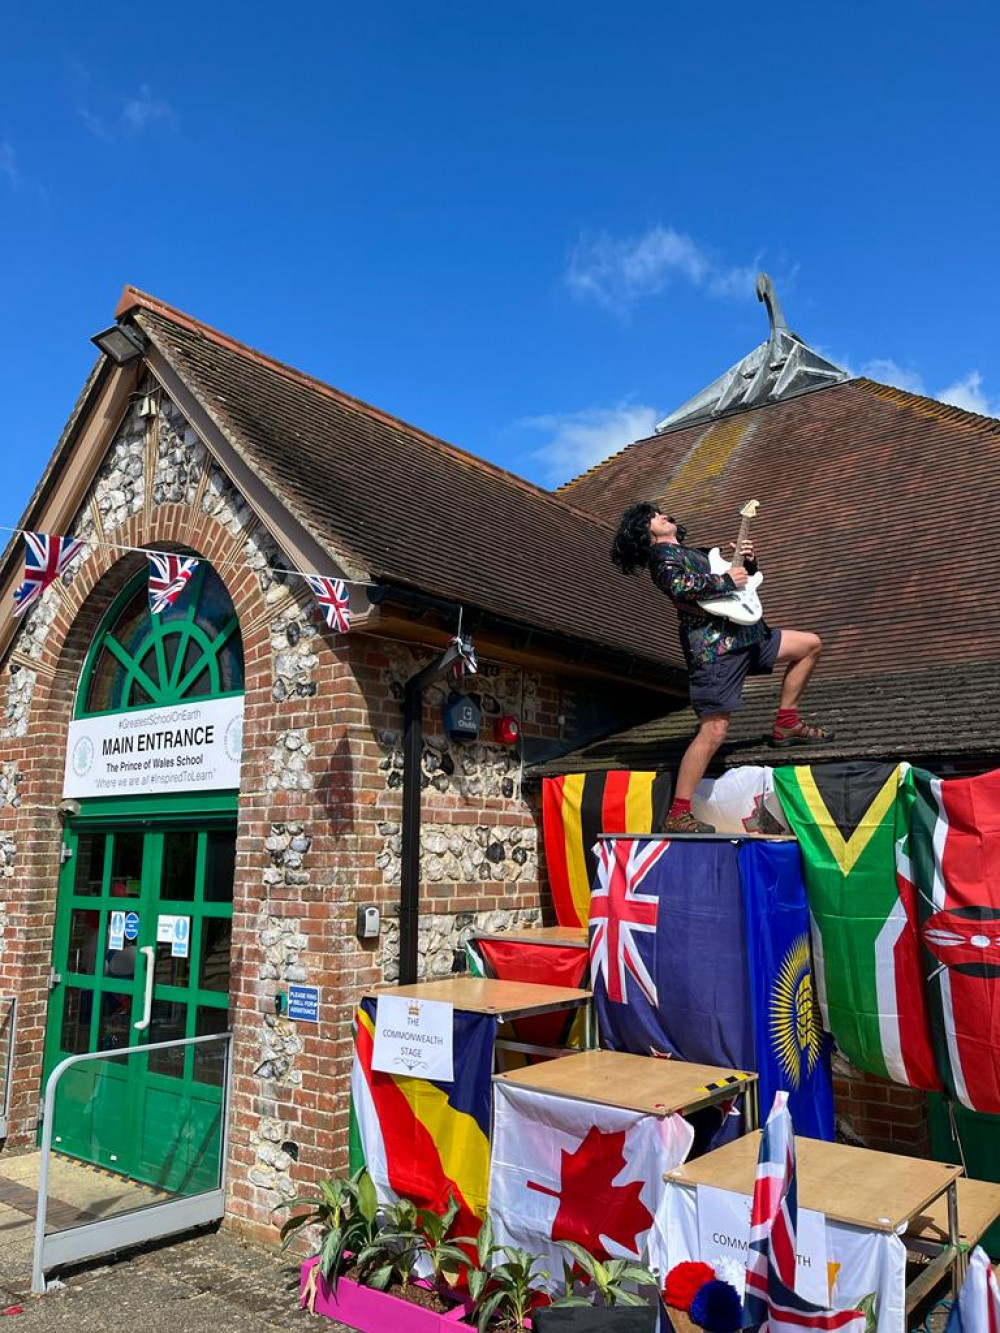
{"x":749,"y":510}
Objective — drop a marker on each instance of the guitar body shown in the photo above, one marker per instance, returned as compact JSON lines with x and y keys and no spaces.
{"x":743,"y":606}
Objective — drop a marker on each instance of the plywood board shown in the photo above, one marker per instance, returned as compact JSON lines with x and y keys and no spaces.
{"x":482,"y":995}
{"x":575,"y":935}
{"x":877,"y":1190}
{"x":632,"y":1082}
{"x":703,"y":837}
{"x":978,"y":1209}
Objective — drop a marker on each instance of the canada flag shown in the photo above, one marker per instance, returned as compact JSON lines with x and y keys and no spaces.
{"x":570,"y":1170}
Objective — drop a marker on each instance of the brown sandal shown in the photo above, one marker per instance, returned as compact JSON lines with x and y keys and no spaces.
{"x":686,"y":823}
{"x":803,"y":734}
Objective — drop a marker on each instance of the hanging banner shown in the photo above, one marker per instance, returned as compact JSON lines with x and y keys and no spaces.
{"x":186,"y":746}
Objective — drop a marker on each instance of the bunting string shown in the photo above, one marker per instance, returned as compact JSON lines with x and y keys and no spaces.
{"x":47,"y":555}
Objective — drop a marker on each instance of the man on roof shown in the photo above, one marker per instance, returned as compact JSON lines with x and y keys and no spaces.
{"x":719,"y":654}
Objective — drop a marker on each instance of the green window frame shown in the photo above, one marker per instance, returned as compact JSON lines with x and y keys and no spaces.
{"x":138,"y":659}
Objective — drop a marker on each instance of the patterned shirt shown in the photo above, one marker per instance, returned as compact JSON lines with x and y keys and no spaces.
{"x":683,"y":573}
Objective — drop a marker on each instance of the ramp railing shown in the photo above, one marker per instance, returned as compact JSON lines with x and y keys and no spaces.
{"x":186,"y":1189}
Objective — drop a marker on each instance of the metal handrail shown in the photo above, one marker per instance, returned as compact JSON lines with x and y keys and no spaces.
{"x":7,"y":1069}
{"x":38,"y":1264}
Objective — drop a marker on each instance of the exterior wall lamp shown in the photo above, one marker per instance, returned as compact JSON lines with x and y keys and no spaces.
{"x":121,"y":343}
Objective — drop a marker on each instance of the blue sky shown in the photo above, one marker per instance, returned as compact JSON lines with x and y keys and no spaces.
{"x":529,"y":226}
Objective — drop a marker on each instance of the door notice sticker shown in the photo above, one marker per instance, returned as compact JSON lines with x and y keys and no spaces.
{"x":175,"y":931}
{"x":116,"y":931}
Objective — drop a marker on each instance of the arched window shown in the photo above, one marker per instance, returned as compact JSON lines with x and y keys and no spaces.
{"x":193,"y":650}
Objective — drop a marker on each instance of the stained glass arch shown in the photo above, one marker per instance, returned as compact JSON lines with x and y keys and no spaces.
{"x":192,"y":650}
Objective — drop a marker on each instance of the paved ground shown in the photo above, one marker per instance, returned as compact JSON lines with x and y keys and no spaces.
{"x":206,"y":1283}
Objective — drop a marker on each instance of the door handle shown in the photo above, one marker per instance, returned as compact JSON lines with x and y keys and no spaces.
{"x":147,"y":1005}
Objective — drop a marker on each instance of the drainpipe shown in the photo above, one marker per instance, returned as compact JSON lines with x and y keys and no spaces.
{"x":413,"y":745}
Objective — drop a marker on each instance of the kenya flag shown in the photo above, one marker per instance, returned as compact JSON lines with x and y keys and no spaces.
{"x":866,"y":954}
{"x":949,"y":865}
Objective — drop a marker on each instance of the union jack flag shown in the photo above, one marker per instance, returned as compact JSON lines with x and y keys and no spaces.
{"x":771,"y":1304}
{"x":169,"y":575}
{"x":45,"y":558}
{"x":977,"y":1309}
{"x":620,"y":914}
{"x":334,"y":601}
{"x":466,"y":663}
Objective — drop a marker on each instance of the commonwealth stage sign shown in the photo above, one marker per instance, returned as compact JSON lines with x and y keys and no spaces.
{"x":194,"y":746}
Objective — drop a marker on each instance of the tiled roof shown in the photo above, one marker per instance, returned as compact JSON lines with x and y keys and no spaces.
{"x":877,"y":505}
{"x":945,"y":713}
{"x":408,"y":507}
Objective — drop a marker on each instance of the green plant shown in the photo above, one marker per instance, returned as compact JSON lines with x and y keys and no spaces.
{"x":501,"y":1291}
{"x":346,"y":1213}
{"x":445,"y":1258}
{"x":606,"y":1277}
{"x":392,"y":1254}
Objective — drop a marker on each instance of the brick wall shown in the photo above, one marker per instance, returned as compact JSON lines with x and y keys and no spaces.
{"x":874,"y":1113}
{"x":319,"y":807}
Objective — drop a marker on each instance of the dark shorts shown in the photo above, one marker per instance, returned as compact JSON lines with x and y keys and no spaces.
{"x":717,"y":687}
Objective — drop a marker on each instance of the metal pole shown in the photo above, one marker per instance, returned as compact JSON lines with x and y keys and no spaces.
{"x":413,"y":745}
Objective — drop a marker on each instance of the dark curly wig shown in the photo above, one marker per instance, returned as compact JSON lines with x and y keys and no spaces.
{"x":632,"y":544}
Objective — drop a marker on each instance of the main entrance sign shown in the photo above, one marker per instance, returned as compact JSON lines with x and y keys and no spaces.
{"x":142,"y":753}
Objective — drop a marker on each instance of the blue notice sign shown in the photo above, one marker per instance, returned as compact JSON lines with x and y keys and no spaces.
{"x":303,"y":1003}
{"x":131,"y":925}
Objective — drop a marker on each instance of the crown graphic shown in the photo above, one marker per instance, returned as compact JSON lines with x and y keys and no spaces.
{"x":413,"y":1009}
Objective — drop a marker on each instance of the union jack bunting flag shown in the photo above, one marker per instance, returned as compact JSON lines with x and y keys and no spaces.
{"x":45,"y":558}
{"x":169,"y":575}
{"x":334,"y":601}
{"x":771,"y":1304}
{"x":620,"y":915}
{"x":466,"y":663}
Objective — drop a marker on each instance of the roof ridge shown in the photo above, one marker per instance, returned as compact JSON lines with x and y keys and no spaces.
{"x":134,"y":299}
{"x":929,"y":406}
{"x":702,"y":425}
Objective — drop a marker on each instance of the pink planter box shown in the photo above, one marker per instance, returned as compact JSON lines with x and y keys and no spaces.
{"x":375,"y":1311}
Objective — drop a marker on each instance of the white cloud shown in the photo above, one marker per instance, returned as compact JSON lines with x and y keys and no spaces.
{"x":145,"y":109}
{"x":968,"y":393}
{"x":618,"y":271}
{"x":887,"y":371}
{"x":136,"y":114}
{"x":9,"y":169}
{"x":577,"y":440}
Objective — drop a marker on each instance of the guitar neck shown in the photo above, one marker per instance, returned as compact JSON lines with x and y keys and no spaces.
{"x":738,"y":560}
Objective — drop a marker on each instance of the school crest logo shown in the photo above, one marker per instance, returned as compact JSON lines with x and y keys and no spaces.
{"x":83,"y":756}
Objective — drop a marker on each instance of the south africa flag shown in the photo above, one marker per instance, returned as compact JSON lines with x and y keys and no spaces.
{"x":949,"y":864}
{"x":866,"y":953}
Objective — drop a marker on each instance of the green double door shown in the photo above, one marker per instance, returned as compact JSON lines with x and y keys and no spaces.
{"x":141,"y":955}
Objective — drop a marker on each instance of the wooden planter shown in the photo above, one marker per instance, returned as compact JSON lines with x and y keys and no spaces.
{"x":375,"y":1311}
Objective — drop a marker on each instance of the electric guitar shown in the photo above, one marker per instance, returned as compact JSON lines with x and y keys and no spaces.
{"x":742,"y":606}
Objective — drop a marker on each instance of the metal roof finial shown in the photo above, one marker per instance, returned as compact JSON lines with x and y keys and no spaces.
{"x":766,"y":292}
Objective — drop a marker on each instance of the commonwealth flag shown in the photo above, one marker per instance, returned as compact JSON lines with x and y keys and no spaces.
{"x":865,"y":947}
{"x":949,"y":867}
{"x":793,"y":1052}
{"x":422,"y":1140}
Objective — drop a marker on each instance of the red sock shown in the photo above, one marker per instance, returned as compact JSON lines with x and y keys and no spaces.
{"x":787,"y":718}
{"x":679,"y":807}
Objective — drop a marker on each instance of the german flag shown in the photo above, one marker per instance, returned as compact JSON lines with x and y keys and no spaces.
{"x":578,"y":807}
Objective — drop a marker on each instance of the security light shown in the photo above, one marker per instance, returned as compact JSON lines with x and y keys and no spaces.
{"x":121,"y":343}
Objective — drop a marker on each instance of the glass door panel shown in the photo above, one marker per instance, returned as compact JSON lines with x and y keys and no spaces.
{"x":160,"y":1116}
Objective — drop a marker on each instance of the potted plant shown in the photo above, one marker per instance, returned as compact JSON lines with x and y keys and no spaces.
{"x":360,"y":1273}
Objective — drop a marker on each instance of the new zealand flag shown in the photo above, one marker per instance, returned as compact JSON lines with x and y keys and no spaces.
{"x":668,"y":954}
{"x":701,"y":950}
